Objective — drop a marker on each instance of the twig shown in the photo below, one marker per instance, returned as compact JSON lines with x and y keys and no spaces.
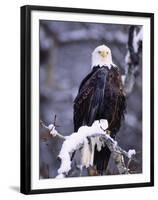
{"x":52,"y":131}
{"x":54,"y":122}
{"x":43,"y":125}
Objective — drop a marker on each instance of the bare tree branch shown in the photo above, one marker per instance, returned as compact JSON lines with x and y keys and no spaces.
{"x":51,"y":130}
{"x":132,"y":58}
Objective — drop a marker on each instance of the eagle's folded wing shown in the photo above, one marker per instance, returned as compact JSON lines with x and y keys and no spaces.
{"x":89,"y":100}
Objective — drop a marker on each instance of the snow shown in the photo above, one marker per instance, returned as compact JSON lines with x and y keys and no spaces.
{"x":115,"y":143}
{"x":99,"y":143}
{"x":123,"y":77}
{"x":60,"y":176}
{"x":75,"y":140}
{"x":52,"y":130}
{"x":135,"y":42}
{"x":51,"y":126}
{"x":131,"y":152}
{"x":127,"y":57}
{"x":137,"y":38}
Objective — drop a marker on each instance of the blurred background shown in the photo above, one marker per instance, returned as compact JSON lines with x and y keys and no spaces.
{"x":65,"y":59}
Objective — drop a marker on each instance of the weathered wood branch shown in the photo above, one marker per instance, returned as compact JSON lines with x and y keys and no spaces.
{"x":76,"y":141}
{"x":51,"y":129}
{"x":132,"y":58}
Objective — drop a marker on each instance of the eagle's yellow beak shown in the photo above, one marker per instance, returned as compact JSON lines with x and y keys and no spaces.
{"x":103,"y":54}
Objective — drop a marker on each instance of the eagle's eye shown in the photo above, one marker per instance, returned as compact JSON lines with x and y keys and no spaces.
{"x":99,"y":52}
{"x":107,"y":52}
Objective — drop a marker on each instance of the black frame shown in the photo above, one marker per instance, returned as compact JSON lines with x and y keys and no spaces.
{"x":26,"y":98}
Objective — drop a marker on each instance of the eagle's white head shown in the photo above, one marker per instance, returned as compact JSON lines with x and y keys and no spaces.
{"x":102,"y":56}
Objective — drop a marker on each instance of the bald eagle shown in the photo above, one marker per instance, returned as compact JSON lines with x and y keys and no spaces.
{"x":101,"y":96}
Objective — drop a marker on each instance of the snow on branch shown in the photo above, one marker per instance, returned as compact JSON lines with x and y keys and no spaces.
{"x":132,"y":58}
{"x":52,"y":131}
{"x":76,"y":140}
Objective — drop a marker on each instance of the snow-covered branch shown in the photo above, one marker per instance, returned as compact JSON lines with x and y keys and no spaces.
{"x":51,"y":129}
{"x":78,"y":140}
{"x":132,"y":58}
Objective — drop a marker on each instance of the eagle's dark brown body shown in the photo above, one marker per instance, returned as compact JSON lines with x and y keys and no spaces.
{"x":100,"y":96}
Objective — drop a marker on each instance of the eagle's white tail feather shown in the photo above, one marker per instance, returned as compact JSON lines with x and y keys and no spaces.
{"x":86,"y":154}
{"x":92,"y":148}
{"x":88,"y":151}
